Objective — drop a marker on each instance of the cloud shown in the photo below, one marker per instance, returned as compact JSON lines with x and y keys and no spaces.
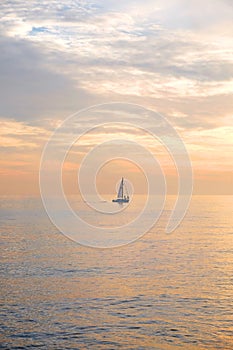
{"x":30,"y":87}
{"x":20,"y":136}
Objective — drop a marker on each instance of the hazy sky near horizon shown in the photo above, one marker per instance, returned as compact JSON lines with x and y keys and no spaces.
{"x":175,"y":57}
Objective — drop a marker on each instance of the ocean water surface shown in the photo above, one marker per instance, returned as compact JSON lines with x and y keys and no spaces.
{"x":164,"y":291}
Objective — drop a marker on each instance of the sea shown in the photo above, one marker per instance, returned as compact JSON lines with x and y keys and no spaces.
{"x":162,"y":291}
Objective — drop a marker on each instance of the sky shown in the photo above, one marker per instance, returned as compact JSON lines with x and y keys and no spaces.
{"x":174,"y":57}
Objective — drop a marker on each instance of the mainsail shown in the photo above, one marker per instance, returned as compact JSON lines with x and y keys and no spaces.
{"x":120,"y":191}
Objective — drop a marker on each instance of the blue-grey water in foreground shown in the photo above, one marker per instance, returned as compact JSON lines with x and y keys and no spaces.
{"x":165,"y":291}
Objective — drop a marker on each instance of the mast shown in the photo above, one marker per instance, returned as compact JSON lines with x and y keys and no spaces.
{"x":120,"y":191}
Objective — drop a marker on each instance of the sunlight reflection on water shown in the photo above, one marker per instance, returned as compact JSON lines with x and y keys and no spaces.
{"x":163,"y":291}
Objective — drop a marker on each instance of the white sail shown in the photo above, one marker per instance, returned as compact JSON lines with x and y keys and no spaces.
{"x":120,"y":191}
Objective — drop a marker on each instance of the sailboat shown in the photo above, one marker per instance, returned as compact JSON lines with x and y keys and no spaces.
{"x":121,"y":196}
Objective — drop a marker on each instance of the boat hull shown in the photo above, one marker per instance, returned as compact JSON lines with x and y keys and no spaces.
{"x":120,"y":200}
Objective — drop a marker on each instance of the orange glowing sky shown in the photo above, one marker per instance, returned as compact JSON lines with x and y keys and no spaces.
{"x":174,"y":57}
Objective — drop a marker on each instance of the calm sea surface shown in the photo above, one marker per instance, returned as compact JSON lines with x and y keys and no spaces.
{"x":165,"y":291}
